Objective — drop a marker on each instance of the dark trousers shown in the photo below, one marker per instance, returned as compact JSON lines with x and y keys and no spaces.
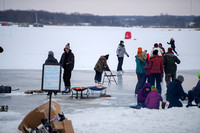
{"x":194,"y":95}
{"x":98,"y":76}
{"x":140,"y":83}
{"x":169,"y":77}
{"x":120,"y":63}
{"x":158,"y":79}
{"x":66,"y":78}
{"x":147,"y":79}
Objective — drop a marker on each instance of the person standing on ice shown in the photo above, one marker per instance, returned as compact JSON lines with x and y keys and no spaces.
{"x":140,"y":60}
{"x":172,"y":43}
{"x":156,"y":47}
{"x":100,"y":66}
{"x":175,"y":92}
{"x":156,"y":70}
{"x":120,"y":55}
{"x":170,"y":67}
{"x":51,"y":60}
{"x":67,"y":63}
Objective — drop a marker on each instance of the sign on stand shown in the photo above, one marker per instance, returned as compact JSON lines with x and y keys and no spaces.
{"x":51,"y":77}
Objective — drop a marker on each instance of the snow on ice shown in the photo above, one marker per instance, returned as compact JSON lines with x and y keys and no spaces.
{"x":27,"y":48}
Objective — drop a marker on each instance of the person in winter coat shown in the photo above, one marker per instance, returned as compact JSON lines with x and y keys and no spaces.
{"x":120,"y":55}
{"x":51,"y":60}
{"x":156,"y":70}
{"x":169,"y":62}
{"x":175,"y":92}
{"x":194,"y":94}
{"x":156,"y":47}
{"x":67,"y":63}
{"x":143,"y":93}
{"x":162,"y":48}
{"x":140,"y":60}
{"x":100,"y":66}
{"x":153,"y":99}
{"x":172,"y":43}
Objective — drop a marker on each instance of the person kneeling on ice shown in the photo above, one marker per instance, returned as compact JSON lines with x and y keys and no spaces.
{"x":100,"y":66}
{"x":153,"y":99}
{"x":194,"y":94}
{"x":175,"y":92}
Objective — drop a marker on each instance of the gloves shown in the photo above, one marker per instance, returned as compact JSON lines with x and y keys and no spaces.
{"x":127,"y":55}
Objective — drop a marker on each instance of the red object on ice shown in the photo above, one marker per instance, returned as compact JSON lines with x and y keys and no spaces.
{"x":4,"y":24}
{"x":128,"y":35}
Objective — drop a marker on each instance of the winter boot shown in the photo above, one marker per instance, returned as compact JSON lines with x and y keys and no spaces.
{"x":167,"y":105}
{"x":160,"y":106}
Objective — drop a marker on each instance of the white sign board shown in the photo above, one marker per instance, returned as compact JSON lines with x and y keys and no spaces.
{"x":51,"y":77}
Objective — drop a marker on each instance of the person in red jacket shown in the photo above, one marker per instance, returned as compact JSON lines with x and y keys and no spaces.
{"x":156,"y":70}
{"x":153,"y":99}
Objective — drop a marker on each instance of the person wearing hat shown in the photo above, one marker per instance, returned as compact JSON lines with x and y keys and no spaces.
{"x":153,"y":99}
{"x":194,"y":94}
{"x":156,"y":47}
{"x":67,"y":63}
{"x":100,"y":66}
{"x":175,"y":92}
{"x":170,"y":67}
{"x":156,"y":70}
{"x":120,"y":55}
{"x":51,"y":59}
{"x":140,"y":71}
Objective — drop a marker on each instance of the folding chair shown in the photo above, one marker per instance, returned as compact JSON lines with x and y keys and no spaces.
{"x":110,"y":77}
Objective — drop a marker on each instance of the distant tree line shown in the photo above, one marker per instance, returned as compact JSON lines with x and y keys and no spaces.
{"x":44,"y":17}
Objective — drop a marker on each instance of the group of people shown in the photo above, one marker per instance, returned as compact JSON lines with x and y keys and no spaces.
{"x":150,"y":69}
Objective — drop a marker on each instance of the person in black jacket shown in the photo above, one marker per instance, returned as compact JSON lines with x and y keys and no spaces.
{"x":67,"y":63}
{"x":51,"y":60}
{"x":172,"y":43}
{"x":175,"y":92}
{"x":169,"y":63}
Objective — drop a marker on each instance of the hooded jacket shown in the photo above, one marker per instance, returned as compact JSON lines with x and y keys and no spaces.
{"x":142,"y":94}
{"x":140,"y":65}
{"x":51,"y":60}
{"x":101,"y":65}
{"x":169,"y":62}
{"x":153,"y":100}
{"x":67,"y":58}
{"x":175,"y":92}
{"x":121,"y":51}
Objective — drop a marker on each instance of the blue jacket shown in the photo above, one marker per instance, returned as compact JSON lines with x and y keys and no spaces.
{"x":140,"y":65}
{"x":174,"y":93}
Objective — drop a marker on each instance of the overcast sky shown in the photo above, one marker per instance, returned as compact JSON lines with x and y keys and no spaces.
{"x":108,"y":7}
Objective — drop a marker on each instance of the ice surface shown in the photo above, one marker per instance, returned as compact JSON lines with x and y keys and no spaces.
{"x":26,"y":49}
{"x":95,"y":114}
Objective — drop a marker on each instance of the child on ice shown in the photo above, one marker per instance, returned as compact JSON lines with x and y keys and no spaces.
{"x":153,"y":99}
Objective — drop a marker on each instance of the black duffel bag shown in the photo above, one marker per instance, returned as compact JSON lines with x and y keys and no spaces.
{"x":5,"y":89}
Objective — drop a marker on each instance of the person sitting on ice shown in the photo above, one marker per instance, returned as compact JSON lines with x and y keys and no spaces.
{"x":143,"y":93}
{"x":153,"y":99}
{"x":194,"y":94}
{"x":100,"y":66}
{"x":175,"y":92}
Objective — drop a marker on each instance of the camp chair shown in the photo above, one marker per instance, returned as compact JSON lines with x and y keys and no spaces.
{"x":110,"y":77}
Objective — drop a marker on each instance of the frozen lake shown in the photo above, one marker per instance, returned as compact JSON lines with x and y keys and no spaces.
{"x":86,"y":113}
{"x":26,"y":49}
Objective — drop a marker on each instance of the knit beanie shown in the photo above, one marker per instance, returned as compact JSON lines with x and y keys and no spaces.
{"x":51,"y":53}
{"x":180,"y":78}
{"x":106,"y":56}
{"x":153,"y":88}
{"x":139,"y":50}
{"x":198,"y":75}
